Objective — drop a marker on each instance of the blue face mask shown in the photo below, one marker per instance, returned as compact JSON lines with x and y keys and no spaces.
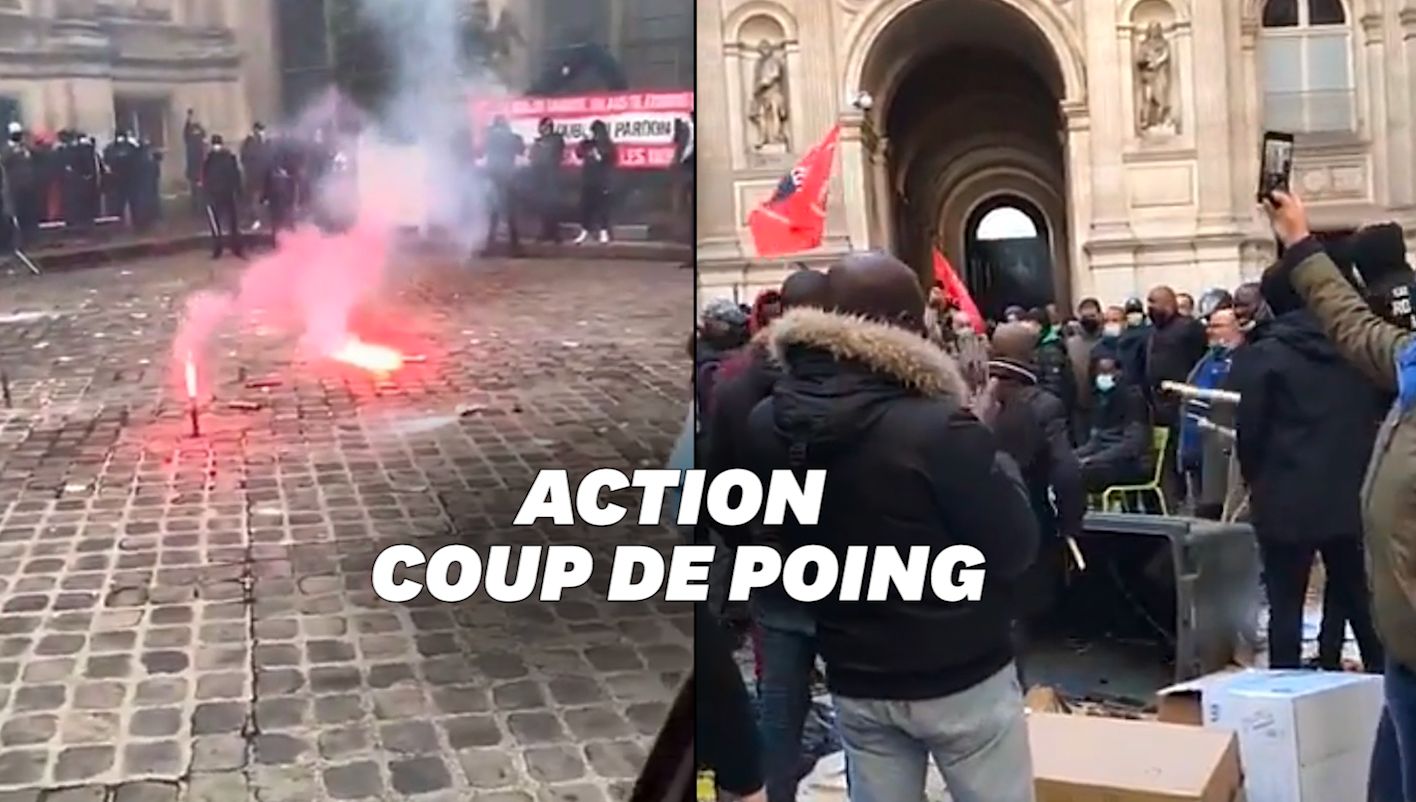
{"x":1105,"y":383}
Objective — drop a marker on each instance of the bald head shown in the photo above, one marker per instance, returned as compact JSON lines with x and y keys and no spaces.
{"x":805,"y":288}
{"x":1015,"y":341}
{"x":879,"y":287}
{"x":1162,"y":305}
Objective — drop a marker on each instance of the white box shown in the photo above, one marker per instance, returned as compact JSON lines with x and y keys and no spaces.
{"x":1304,"y":736}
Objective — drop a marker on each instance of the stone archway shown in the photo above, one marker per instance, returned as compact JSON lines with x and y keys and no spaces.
{"x":968,"y":104}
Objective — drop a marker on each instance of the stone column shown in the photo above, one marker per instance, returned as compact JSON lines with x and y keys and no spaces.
{"x":717,"y":228}
{"x":854,"y":182}
{"x":821,"y":97}
{"x":1403,"y":108}
{"x":1211,"y":118}
{"x":1109,"y":124}
{"x":1078,"y":182}
{"x":883,"y":235}
{"x":1246,"y":159}
{"x":1371,"y":105}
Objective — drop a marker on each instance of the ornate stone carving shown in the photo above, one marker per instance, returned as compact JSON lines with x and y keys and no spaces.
{"x":768,"y":112}
{"x":1155,"y":84}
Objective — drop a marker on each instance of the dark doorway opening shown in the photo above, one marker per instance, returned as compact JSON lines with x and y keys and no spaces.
{"x":1008,"y":256}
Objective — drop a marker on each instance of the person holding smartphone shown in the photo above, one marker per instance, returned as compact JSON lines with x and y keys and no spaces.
{"x":1386,"y":353}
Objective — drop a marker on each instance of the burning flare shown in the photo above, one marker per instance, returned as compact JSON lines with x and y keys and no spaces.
{"x":370,"y":357}
{"x":190,"y":372}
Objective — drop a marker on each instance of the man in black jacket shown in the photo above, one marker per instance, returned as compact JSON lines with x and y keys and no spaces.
{"x":221,"y":186}
{"x":1307,"y":421}
{"x":1176,"y":345}
{"x":547,"y":167}
{"x":1118,"y":452}
{"x":1033,"y":428}
{"x":788,"y":633}
{"x":1055,"y":373}
{"x":866,"y":396}
{"x":504,"y":149}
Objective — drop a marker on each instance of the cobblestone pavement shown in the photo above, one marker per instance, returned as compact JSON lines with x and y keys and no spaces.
{"x":190,"y":618}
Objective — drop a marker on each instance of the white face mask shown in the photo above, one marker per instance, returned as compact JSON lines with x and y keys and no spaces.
{"x":1135,"y":318}
{"x":1111,"y":330}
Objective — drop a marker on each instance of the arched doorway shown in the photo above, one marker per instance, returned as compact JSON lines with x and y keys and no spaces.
{"x":1008,"y":255}
{"x":969,"y":101}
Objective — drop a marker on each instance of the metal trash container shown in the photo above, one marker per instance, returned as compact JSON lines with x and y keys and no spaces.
{"x":1216,"y":583}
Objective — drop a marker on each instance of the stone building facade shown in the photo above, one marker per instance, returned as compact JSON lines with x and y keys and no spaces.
{"x":1052,"y":149}
{"x":89,"y":64}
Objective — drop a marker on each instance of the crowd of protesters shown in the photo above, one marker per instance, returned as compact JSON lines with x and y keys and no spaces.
{"x":939,"y":429}
{"x":532,"y":180}
{"x":68,"y":180}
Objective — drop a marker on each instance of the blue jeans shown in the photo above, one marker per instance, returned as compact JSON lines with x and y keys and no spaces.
{"x":788,"y":654}
{"x":1394,"y":758}
{"x":977,"y":737}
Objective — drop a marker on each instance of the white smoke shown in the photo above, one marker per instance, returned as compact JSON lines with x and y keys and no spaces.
{"x":424,"y":127}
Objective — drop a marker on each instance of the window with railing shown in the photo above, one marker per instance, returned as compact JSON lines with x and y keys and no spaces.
{"x":1306,"y":63}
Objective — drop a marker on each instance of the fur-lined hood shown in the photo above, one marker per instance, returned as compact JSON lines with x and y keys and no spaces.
{"x":911,"y":359}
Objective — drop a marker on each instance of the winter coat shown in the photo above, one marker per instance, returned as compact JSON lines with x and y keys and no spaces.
{"x":1172,"y":350}
{"x":1054,"y":370}
{"x":221,"y":174}
{"x":1307,"y":419}
{"x":1212,"y":373}
{"x":1388,"y":496}
{"x":881,"y":409}
{"x":1120,"y":432}
{"x":1033,"y":428}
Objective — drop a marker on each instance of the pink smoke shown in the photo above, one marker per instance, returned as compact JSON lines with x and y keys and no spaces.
{"x":310,"y":285}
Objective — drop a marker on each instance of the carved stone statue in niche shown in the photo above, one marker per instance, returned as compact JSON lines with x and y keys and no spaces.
{"x":768,"y":113}
{"x":1155,"y":70}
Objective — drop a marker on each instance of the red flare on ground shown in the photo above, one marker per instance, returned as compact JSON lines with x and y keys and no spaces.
{"x":190,"y":373}
{"x":370,"y":357}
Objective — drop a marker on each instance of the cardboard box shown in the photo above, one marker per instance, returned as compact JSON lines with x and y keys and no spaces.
{"x":1091,"y":759}
{"x":1304,"y":736}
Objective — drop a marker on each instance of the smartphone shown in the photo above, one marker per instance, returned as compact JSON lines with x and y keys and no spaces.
{"x":1275,"y":164}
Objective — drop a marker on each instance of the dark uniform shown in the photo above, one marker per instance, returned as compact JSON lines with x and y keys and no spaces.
{"x":22,"y":181}
{"x":194,"y":140}
{"x":221,"y":183}
{"x":598,"y":155}
{"x":147,"y":201}
{"x":122,"y":159}
{"x":503,"y":148}
{"x":278,"y":190}
{"x":255,"y":165}
{"x":547,"y":158}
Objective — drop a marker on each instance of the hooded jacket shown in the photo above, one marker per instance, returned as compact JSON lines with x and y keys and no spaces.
{"x":1306,"y":422}
{"x":1388,"y":496}
{"x":881,"y":409}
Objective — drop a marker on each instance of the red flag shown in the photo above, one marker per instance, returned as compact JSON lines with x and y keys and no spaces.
{"x":955,"y":290}
{"x":794,"y":218}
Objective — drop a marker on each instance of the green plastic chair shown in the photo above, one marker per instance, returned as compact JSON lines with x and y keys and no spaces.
{"x":1113,"y":499}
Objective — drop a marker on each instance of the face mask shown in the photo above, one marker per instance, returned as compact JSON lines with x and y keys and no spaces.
{"x":1158,"y":315}
{"x":1135,"y":318}
{"x":1105,"y":383}
{"x":1090,"y":325}
{"x":1111,"y":330}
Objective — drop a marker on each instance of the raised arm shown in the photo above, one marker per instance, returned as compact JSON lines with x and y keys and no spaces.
{"x":1365,"y":340}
